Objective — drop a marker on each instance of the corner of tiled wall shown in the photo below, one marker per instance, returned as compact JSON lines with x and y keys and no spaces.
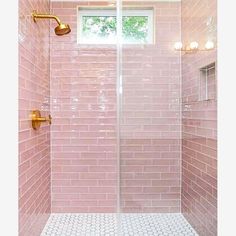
{"x":199,"y":121}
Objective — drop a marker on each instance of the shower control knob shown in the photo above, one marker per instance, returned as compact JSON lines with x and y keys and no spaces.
{"x":37,"y":119}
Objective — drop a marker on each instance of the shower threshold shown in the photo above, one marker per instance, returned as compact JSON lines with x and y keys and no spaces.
{"x":99,"y":224}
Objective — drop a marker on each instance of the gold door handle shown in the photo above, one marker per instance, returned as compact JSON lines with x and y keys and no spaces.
{"x":37,"y":119}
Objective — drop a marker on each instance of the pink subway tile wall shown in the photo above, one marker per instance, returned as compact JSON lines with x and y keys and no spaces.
{"x":150,"y":118}
{"x":84,"y":138}
{"x":34,"y":146}
{"x":83,"y":134}
{"x":199,"y":118}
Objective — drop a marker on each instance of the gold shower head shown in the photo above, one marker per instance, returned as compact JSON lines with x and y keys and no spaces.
{"x":61,"y":29}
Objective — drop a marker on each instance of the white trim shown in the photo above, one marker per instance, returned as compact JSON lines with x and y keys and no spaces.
{"x":81,"y":12}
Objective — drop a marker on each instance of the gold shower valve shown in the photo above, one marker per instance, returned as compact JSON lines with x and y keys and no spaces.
{"x":37,"y":119}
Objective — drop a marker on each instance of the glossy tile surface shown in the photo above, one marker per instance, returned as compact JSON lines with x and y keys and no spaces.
{"x":34,"y":93}
{"x":199,"y":120}
{"x":150,"y":126}
{"x":107,"y":225}
{"x":84,"y":131}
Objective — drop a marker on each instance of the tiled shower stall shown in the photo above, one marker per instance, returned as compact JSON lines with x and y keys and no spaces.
{"x":132,"y":145}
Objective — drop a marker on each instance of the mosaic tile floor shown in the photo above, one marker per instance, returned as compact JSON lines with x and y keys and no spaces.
{"x":107,"y":225}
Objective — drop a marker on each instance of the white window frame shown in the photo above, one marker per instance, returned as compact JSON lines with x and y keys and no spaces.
{"x":112,"y":12}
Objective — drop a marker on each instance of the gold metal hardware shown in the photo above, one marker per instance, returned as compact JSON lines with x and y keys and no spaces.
{"x":37,"y":119}
{"x":61,"y":29}
{"x":36,"y":15}
{"x":189,"y":51}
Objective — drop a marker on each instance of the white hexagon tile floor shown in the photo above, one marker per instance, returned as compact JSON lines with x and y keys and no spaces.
{"x":107,"y":225}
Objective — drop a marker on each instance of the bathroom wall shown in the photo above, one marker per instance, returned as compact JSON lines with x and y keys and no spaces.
{"x":83,"y":103}
{"x":34,"y":146}
{"x":84,"y":132}
{"x":199,"y":146}
{"x":150,"y":117}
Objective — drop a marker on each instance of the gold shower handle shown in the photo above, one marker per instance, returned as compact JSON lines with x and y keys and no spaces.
{"x":44,"y":119}
{"x":37,"y":119}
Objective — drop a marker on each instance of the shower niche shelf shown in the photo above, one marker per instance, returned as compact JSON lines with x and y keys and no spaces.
{"x":207,"y":82}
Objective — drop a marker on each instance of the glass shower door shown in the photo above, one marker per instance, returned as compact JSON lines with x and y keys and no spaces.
{"x":150,"y":122}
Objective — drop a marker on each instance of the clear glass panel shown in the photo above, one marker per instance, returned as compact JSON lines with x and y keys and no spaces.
{"x":84,"y":130}
{"x":150,"y":122}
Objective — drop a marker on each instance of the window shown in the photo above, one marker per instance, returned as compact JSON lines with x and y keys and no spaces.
{"x":99,"y":26}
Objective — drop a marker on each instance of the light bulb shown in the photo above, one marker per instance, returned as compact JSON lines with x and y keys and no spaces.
{"x":194,"y":45}
{"x":209,"y":45}
{"x":178,"y":46}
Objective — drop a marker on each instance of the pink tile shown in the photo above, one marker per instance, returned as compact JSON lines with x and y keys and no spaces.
{"x":149,"y":140}
{"x":199,"y":175}
{"x":34,"y":158}
{"x":84,"y":132}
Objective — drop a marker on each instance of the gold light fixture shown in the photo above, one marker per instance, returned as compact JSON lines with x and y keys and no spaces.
{"x":193,"y":47}
{"x":60,"y":30}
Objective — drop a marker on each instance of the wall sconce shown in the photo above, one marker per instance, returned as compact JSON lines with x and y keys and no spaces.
{"x":193,"y":47}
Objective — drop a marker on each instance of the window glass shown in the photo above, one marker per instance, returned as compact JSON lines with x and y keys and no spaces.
{"x":100,"y":26}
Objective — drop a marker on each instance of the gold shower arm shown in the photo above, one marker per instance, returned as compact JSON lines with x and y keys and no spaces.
{"x":36,"y":15}
{"x":61,"y":29}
